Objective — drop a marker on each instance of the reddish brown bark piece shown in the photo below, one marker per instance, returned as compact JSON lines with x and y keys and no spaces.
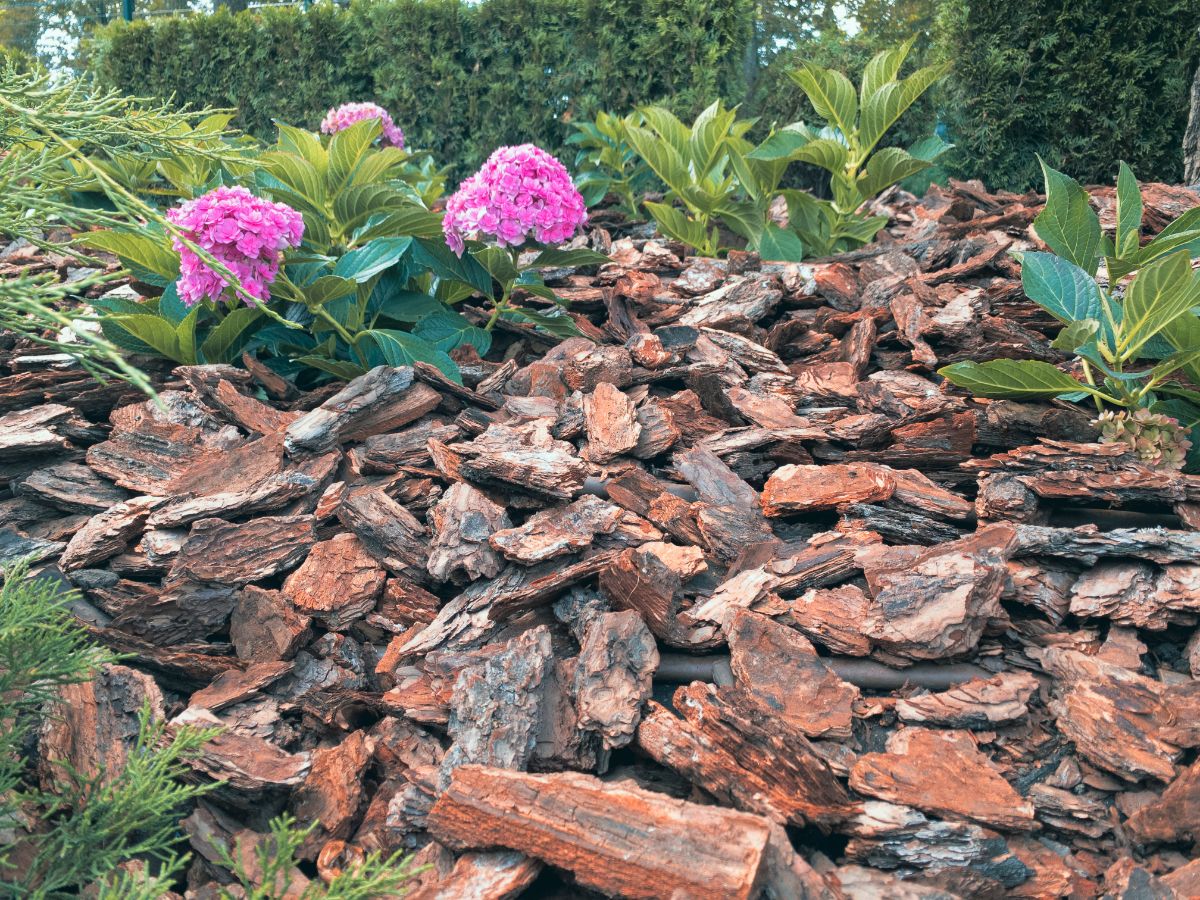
{"x":797,"y":489}
{"x":338,"y":582}
{"x":611,"y":422}
{"x":496,"y":875}
{"x":239,"y":553}
{"x":527,"y":459}
{"x":264,"y":626}
{"x":743,"y":756}
{"x":94,"y":724}
{"x":835,"y":618}
{"x":980,"y":703}
{"x":252,"y":766}
{"x":331,"y":793}
{"x":621,"y":841}
{"x":463,"y":521}
{"x":928,"y":769}
{"x":182,"y":611}
{"x":237,"y":685}
{"x":1134,"y":593}
{"x":71,"y":487}
{"x":388,"y":531}
{"x":938,"y":604}
{"x":108,"y":533}
{"x":649,"y":579}
{"x":614,"y":675}
{"x":643,"y":494}
{"x":779,"y":671}
{"x":557,"y":532}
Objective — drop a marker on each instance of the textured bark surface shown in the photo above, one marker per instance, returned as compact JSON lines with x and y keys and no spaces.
{"x":338,"y":582}
{"x":216,"y":550}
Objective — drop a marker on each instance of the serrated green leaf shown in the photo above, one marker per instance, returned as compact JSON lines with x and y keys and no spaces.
{"x":371,"y":259}
{"x":827,"y":153}
{"x":885,"y":107}
{"x":677,"y":225}
{"x":1129,"y":213}
{"x":170,"y":306}
{"x":185,"y":337}
{"x":930,"y":148}
{"x":885,"y":168}
{"x":1184,"y":334}
{"x":441,"y":260}
{"x":346,"y":371}
{"x":781,"y":145}
{"x":664,"y":160}
{"x":326,"y":289}
{"x":149,"y":256}
{"x":304,"y":144}
{"x":498,"y":262}
{"x":1068,"y":225}
{"x":1003,"y":378}
{"x":446,"y":329}
{"x":298,"y":175}
{"x":553,"y":258}
{"x":780,"y":245}
{"x":1161,"y":293}
{"x":347,"y":149}
{"x":1064,"y":290}
{"x":153,"y":331}
{"x":831,"y":94}
{"x":557,"y":323}
{"x":882,"y":68}
{"x":384,"y":346}
{"x":667,"y":126}
{"x":221,"y":344}
{"x":1077,"y":335}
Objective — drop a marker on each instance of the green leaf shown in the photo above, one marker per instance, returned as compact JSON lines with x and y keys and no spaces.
{"x":1076,"y":336}
{"x":667,"y":127}
{"x":367,"y":261}
{"x":707,"y":139}
{"x":882,"y":68}
{"x":1161,"y":293}
{"x":1129,"y":213}
{"x":185,"y":337}
{"x":781,"y":145}
{"x":442,"y":261}
{"x":780,"y":245}
{"x":552,"y":257}
{"x":346,"y":371}
{"x":327,"y":288}
{"x":1184,"y":359}
{"x":304,"y":144}
{"x":170,"y":306}
{"x":665,"y":160}
{"x":831,"y":94}
{"x":347,"y":149}
{"x":155,"y":332}
{"x":1184,"y":334}
{"x":150,"y":257}
{"x":221,"y":344}
{"x":1064,"y":290}
{"x":498,"y":262}
{"x":827,"y":153}
{"x":446,"y":329}
{"x":298,"y":175}
{"x":885,"y":168}
{"x":1001,"y":378}
{"x":885,"y":107}
{"x":556,"y":322}
{"x":384,"y":346}
{"x":677,"y":225}
{"x":929,"y":148}
{"x":1068,"y":225}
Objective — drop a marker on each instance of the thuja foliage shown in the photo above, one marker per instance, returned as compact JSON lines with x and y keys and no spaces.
{"x":94,"y":822}
{"x":1134,"y":330}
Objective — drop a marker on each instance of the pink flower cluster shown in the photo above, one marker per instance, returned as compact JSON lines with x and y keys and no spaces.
{"x":347,"y":114}
{"x":519,"y":191}
{"x":243,"y":232}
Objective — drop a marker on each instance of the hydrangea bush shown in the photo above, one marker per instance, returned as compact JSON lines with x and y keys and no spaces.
{"x":342,"y":117}
{"x":521,"y":195}
{"x":243,"y":232}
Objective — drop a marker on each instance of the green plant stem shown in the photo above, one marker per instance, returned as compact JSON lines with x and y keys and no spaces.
{"x":505,"y":297}
{"x":1091,"y":380}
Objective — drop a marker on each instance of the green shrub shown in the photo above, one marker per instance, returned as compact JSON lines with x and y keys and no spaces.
{"x":1081,"y":83}
{"x":460,"y":79}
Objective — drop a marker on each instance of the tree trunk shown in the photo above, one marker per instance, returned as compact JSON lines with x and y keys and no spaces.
{"x":1191,"y":137}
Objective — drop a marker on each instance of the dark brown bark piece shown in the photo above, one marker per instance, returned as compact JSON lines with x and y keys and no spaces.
{"x":252,"y":768}
{"x":558,"y":531}
{"x":239,"y":553}
{"x":614,"y":675}
{"x":107,"y":533}
{"x":265,"y":627}
{"x":32,"y":431}
{"x":618,"y":840}
{"x":927,"y":770}
{"x":496,"y":875}
{"x":182,"y":611}
{"x":338,"y":583}
{"x":463,"y":521}
{"x":72,"y":487}
{"x":237,"y":685}
{"x":388,"y":531}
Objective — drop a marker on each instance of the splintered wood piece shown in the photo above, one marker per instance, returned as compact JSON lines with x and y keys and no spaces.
{"x":239,"y":553}
{"x":778,"y":670}
{"x":251,"y":767}
{"x":183,"y":611}
{"x":252,"y":478}
{"x":797,"y":489}
{"x":388,"y":453}
{"x":527,"y":459}
{"x":31,"y":432}
{"x":237,"y":685}
{"x":331,"y":793}
{"x":614,"y":675}
{"x":388,"y":531}
{"x":1137,"y":594}
{"x":495,"y":875}
{"x":834,"y":618}
{"x":373,"y":403}
{"x":108,"y":533}
{"x":1087,"y":544}
{"x":642,"y":494}
{"x":94,"y":725}
{"x":979,"y":704}
{"x":264,"y":626}
{"x":252,"y":415}
{"x":889,"y":836}
{"x":558,"y":531}
{"x":463,"y":521}
{"x":1043,"y":585}
{"x":71,"y":487}
{"x":611,"y":422}
{"x":927,"y":770}
{"x":619,"y":840}
{"x":649,"y":579}
{"x":740,"y":297}
{"x":738,"y":753}
{"x":338,"y":583}
{"x":729,"y":515}
{"x":938,"y":604}
{"x":915,"y":490}
{"x":659,"y":433}
{"x":1115,"y":717}
{"x":497,"y":707}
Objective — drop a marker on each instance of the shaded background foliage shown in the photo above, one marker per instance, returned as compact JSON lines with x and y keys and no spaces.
{"x":1083,"y":83}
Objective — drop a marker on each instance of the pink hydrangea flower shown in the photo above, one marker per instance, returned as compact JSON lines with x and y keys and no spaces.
{"x":347,"y":114}
{"x":520,"y":191}
{"x":243,"y":232}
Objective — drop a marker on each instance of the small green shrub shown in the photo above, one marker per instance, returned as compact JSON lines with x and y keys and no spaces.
{"x":606,"y":164}
{"x":1110,"y":328}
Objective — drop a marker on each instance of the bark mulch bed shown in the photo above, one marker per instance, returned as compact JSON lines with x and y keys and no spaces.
{"x":734,"y":598}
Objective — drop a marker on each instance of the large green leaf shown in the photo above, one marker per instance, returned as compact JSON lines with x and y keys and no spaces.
{"x":1161,"y":293}
{"x":1068,"y":225}
{"x":882,"y":68}
{"x":498,"y":262}
{"x":780,"y":245}
{"x":383,"y":346}
{"x":298,"y":175}
{"x":556,"y":322}
{"x":1129,"y":213}
{"x":707,"y":139}
{"x":364,"y":263}
{"x":1184,"y":334}
{"x":328,"y":288}
{"x":154,"y":331}
{"x":149,"y":256}
{"x":170,"y":306}
{"x":782,"y":144}
{"x":380,"y":165}
{"x":304,"y":144}
{"x":884,"y":108}
{"x":1064,"y":290}
{"x":347,"y":149}
{"x":885,"y":168}
{"x":446,"y":329}
{"x":553,"y":257}
{"x":1001,"y":378}
{"x":667,"y":126}
{"x":222,"y":342}
{"x":185,"y":337}
{"x":346,"y":371}
{"x":831,"y":94}
{"x":677,"y":225}
{"x":442,"y":261}
{"x":827,"y":153}
{"x":665,"y":161}
{"x":399,"y":219}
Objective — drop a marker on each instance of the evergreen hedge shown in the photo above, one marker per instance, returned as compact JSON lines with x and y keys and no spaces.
{"x":1084,"y":83}
{"x":459,"y":79}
